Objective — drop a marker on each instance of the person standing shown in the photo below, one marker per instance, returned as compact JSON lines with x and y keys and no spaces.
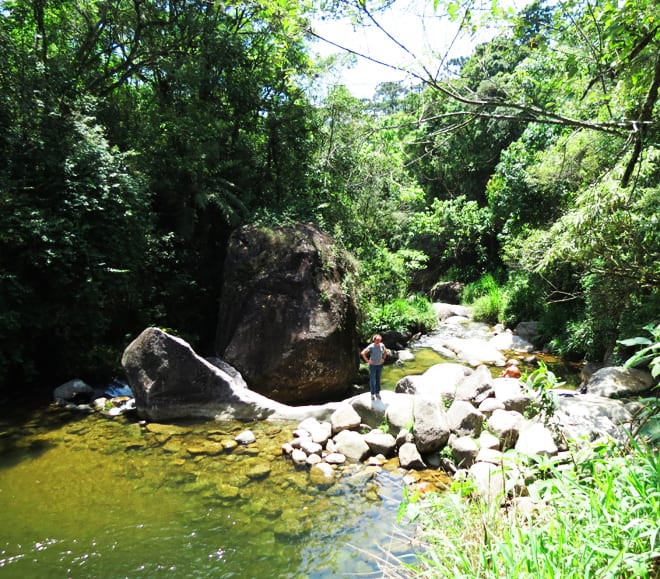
{"x":374,"y":355}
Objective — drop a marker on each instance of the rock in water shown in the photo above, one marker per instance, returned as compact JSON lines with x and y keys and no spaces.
{"x":170,"y":381}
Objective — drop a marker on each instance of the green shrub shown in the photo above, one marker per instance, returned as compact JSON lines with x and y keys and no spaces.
{"x":480,"y":288}
{"x":415,"y":314}
{"x":525,"y":297}
{"x":648,"y":353}
{"x":596,"y":519}
{"x":487,"y":298}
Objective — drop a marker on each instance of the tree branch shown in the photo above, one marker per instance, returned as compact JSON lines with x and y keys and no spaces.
{"x":645,"y":120}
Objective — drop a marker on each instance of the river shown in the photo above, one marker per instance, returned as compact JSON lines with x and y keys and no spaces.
{"x":84,"y":495}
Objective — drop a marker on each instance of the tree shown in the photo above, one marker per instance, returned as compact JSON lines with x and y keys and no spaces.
{"x":135,"y":135}
{"x":583,"y":82}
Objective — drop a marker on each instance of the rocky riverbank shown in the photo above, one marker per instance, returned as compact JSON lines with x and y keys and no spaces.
{"x":455,"y":417}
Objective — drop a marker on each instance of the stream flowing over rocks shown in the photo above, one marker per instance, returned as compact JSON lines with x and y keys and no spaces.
{"x":455,"y":418}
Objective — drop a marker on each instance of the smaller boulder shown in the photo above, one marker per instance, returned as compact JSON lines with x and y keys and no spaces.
{"x":409,"y":457}
{"x":490,"y":405}
{"x":527,"y":331}
{"x":431,"y":429}
{"x":489,"y":480}
{"x":448,"y":292}
{"x":536,"y":439}
{"x":380,"y":442}
{"x":476,"y":386}
{"x":464,"y":450}
{"x":321,"y":473}
{"x":464,"y":419}
{"x":506,"y":426}
{"x":245,"y":437}
{"x":507,"y":340}
{"x":491,"y":455}
{"x":299,"y":457}
{"x":487,"y":440}
{"x":404,"y":436}
{"x":399,"y":414}
{"x":308,"y":446}
{"x":618,"y":382}
{"x":73,"y":392}
{"x":319,"y":432}
{"x":313,"y":459}
{"x":344,"y":418}
{"x":351,"y":444}
{"x":335,"y":458}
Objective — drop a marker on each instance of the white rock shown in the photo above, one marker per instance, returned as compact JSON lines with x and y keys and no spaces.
{"x":246,"y":437}
{"x":313,"y":459}
{"x":335,"y":458}
{"x":298,"y":456}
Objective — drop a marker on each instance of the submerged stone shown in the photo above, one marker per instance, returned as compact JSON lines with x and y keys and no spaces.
{"x":258,"y":472}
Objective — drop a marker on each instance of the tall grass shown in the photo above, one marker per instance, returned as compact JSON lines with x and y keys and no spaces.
{"x":487,"y":299}
{"x":600,"y":518}
{"x":414,"y":314}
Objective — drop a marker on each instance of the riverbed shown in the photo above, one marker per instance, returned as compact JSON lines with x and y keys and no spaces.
{"x":84,"y":495}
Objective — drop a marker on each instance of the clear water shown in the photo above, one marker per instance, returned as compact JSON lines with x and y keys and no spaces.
{"x":86,"y":496}
{"x":89,"y":496}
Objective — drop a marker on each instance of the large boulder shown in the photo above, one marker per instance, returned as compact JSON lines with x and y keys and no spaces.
{"x":619,"y":382}
{"x":170,"y":381}
{"x":286,"y":321}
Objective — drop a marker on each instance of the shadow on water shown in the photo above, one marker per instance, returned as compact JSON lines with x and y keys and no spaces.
{"x":24,"y":430}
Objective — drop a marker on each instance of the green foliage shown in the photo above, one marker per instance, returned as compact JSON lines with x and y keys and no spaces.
{"x":538,"y":384}
{"x":454,"y":153}
{"x":415,"y":314}
{"x":135,"y":136}
{"x":599,"y":262}
{"x":649,"y":353}
{"x":71,"y":254}
{"x":646,"y":421}
{"x":599,"y":518}
{"x":525,"y":297}
{"x":487,"y":298}
{"x":455,"y":235}
{"x":385,"y":274}
{"x":359,"y":188}
{"x":519,"y":196}
{"x":384,"y":425}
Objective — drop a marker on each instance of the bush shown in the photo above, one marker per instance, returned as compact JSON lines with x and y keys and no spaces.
{"x":600,"y":520}
{"x":525,"y":298}
{"x":415,"y":314}
{"x":487,"y":299}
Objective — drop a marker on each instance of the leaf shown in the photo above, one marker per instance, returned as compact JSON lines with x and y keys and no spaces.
{"x":655,"y":367}
{"x":639,"y":341}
